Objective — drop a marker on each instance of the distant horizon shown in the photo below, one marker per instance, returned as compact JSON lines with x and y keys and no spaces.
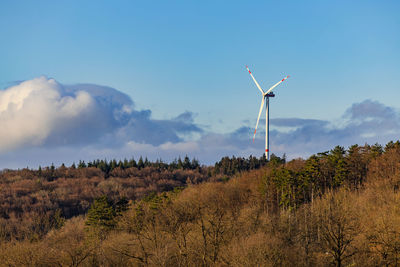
{"x":176,"y":159}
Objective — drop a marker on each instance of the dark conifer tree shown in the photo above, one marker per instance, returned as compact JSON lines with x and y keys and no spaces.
{"x":132,"y":163}
{"x":102,"y":214}
{"x":140,"y":163}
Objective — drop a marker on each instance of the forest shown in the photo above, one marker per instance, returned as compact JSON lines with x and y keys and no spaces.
{"x":336,"y":208}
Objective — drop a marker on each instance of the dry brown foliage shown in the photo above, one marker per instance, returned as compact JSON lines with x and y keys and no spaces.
{"x":239,"y":222}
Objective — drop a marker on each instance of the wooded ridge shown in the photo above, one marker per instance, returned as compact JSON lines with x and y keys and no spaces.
{"x":340,"y":207}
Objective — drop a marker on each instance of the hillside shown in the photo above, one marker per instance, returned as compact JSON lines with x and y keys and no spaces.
{"x":33,"y":201}
{"x":338,"y":207}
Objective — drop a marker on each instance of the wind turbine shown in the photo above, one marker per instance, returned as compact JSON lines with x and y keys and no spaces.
{"x":265,"y":97}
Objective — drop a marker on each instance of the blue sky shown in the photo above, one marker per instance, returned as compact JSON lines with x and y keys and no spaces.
{"x":172,"y":57}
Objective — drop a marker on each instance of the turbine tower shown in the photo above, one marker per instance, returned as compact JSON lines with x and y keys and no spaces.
{"x":265,"y":97}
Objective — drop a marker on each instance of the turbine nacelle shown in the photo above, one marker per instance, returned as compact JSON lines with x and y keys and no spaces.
{"x":269,"y":95}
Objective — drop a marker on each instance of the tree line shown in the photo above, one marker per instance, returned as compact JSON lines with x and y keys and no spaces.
{"x":107,"y":166}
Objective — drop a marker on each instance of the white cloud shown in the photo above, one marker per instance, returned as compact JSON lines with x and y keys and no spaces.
{"x":31,"y":111}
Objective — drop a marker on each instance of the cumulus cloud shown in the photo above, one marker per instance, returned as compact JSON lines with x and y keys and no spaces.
{"x":44,"y":121}
{"x":42,"y":112}
{"x":371,"y":110}
{"x":34,"y":110}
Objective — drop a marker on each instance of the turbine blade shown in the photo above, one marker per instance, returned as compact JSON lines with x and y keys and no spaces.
{"x":270,"y":89}
{"x":259,"y":114}
{"x":255,"y":80}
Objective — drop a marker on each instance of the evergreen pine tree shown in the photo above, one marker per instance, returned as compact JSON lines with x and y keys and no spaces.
{"x":101,"y":214}
{"x":180,"y":164}
{"x":140,"y":163}
{"x":186,"y":163}
{"x":132,"y":163}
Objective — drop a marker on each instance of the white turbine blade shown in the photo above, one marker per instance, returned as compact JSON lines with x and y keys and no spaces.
{"x":259,"y":114}
{"x":270,"y":89}
{"x":255,"y":80}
